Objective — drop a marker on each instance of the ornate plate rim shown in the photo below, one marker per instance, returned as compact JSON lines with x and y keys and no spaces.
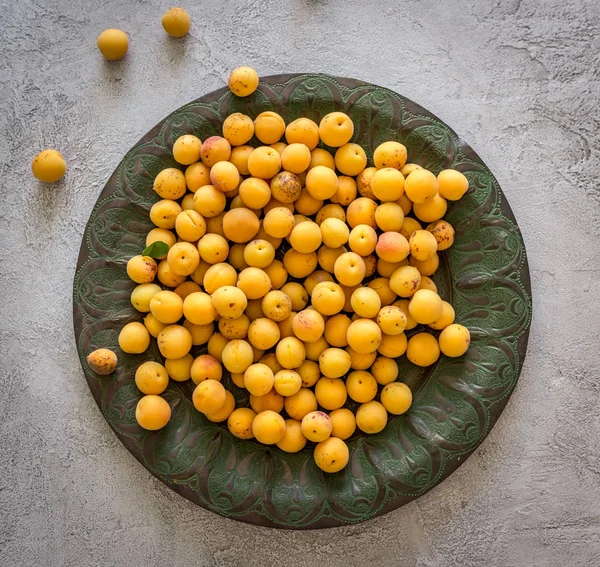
{"x":257,"y":516}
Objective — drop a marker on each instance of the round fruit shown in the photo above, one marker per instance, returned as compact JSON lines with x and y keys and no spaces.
{"x":306,"y":237}
{"x":209,"y":396}
{"x":361,"y":386}
{"x":225,"y":411}
{"x":365,"y":302}
{"x":454,"y":340}
{"x":293,"y":439}
{"x":423,"y":245}
{"x":302,"y":131}
{"x":316,"y":426}
{"x":425,"y":306}
{"x":390,"y":154}
{"x":287,"y":382}
{"x":240,"y":423}
{"x":405,"y":281}
{"x":392,"y":346}
{"x":346,"y":191}
{"x":361,"y":211}
{"x":426,"y":267}
{"x":102,"y":361}
{"x":443,"y":233}
{"x":308,"y":325}
{"x":334,"y":362}
{"x":238,"y":129}
{"x":176,"y":22}
{"x":174,"y":341}
{"x":290,"y":352}
{"x":384,"y":370}
{"x":142,"y":295}
{"x":151,"y":378}
{"x":269,"y":127}
{"x":300,"y":404}
{"x":396,"y":398}
{"x":152,"y":412}
{"x":364,"y":336}
{"x":371,"y":417}
{"x":447,"y":317}
{"x":321,"y":182}
{"x":279,"y":222}
{"x":343,"y":423}
{"x":431,"y":210}
{"x":350,"y":159}
{"x":134,"y":338}
{"x":141,"y":269}
{"x":113,"y":44}
{"x":364,"y":180}
{"x":229,"y":302}
{"x":389,"y":217}
{"x":49,"y":166}
{"x":268,"y":427}
{"x":243,"y":81}
{"x":258,"y":379}
{"x":331,"y":455}
{"x":362,"y":240}
{"x":420,"y":186}
{"x":295,"y":158}
{"x":219,"y":275}
{"x":336,"y":129}
{"x":328,"y":298}
{"x":452,"y":184}
{"x":180,"y":369}
{"x":237,"y":356}
{"x":349,"y":269}
{"x":391,"y":320}
{"x":387,"y":184}
{"x":423,"y":349}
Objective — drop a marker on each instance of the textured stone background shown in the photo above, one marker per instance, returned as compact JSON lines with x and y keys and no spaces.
{"x":518,"y":79}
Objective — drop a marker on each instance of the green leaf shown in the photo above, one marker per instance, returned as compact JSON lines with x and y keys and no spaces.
{"x":156,"y":249}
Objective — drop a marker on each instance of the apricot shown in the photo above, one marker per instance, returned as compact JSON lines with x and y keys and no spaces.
{"x":364,"y":336}
{"x":350,"y":159}
{"x":152,"y":412}
{"x":363,"y":240}
{"x":328,"y":298}
{"x":361,"y":211}
{"x":316,"y":426}
{"x":302,"y":131}
{"x":361,"y":386}
{"x":287,"y":382}
{"x":390,"y":154}
{"x":371,"y":417}
{"x":349,"y":269}
{"x":263,"y":333}
{"x":206,"y":367}
{"x":300,"y":265}
{"x":331,"y":455}
{"x":321,"y":182}
{"x":423,"y":349}
{"x":385,"y":370}
{"x":300,"y":404}
{"x":290,"y":352}
{"x":293,"y":439}
{"x":269,"y":127}
{"x":334,"y":362}
{"x":229,"y":302}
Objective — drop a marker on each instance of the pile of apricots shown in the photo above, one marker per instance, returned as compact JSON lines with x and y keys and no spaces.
{"x":294,"y":263}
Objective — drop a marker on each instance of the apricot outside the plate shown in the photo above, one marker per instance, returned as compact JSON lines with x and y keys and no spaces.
{"x":49,"y":166}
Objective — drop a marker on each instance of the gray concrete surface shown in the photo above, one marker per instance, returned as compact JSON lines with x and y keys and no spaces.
{"x":519,"y":79}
